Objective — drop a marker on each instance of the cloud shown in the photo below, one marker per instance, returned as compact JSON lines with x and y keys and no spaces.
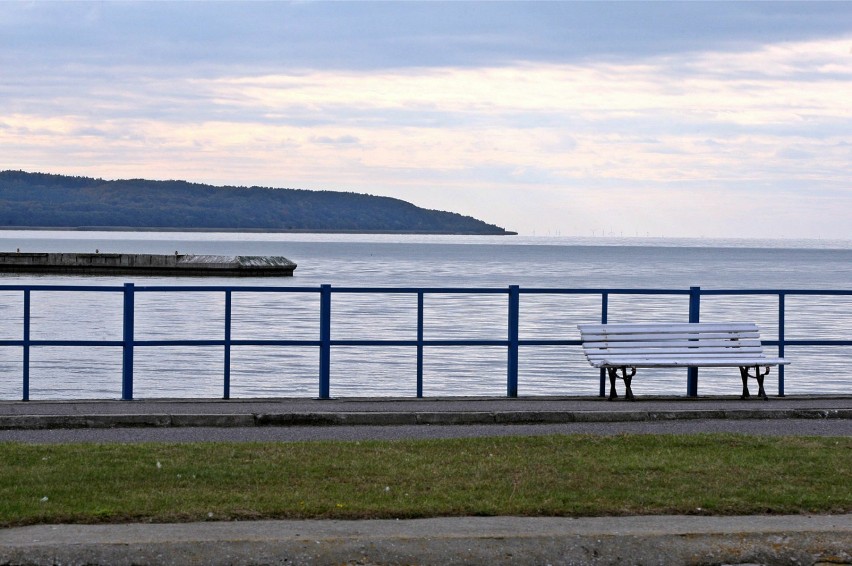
{"x":340,"y":140}
{"x":571,"y":108}
{"x":286,"y":36}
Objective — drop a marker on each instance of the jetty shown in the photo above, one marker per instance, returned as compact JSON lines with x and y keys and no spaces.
{"x":146,"y":264}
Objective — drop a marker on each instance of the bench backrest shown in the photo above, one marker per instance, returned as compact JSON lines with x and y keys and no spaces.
{"x":670,"y":341}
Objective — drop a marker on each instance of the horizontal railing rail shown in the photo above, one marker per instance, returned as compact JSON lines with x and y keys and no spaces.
{"x":513,"y":341}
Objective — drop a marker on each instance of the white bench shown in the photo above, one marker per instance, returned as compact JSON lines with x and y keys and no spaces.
{"x":625,"y":347}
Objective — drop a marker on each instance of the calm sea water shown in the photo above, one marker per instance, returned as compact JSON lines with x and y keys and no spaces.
{"x":416,"y":261}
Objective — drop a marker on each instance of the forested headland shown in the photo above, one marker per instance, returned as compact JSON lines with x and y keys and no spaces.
{"x":40,"y":200}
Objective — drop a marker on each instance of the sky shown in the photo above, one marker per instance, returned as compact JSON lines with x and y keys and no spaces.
{"x":682,"y":119}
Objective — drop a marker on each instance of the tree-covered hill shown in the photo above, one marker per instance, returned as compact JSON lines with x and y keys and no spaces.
{"x":59,"y":201}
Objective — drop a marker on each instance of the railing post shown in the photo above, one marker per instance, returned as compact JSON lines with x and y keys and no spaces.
{"x":694,"y":317}
{"x":604,"y":316}
{"x":325,"y":342}
{"x":26,"y":385}
{"x":127,"y":357}
{"x":781,"y":338}
{"x":512,"y":362}
{"x":419,"y":344}
{"x":227,"y":385}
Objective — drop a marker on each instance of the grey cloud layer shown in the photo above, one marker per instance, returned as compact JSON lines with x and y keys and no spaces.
{"x":354,"y":35}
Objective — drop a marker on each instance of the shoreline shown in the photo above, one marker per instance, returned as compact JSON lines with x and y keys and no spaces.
{"x":243,"y":230}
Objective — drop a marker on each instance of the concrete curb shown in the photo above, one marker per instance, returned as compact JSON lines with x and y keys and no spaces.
{"x":666,"y":540}
{"x":397,"y":418}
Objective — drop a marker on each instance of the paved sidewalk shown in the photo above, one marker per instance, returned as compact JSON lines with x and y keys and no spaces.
{"x":674,"y":540}
{"x":409,"y":411}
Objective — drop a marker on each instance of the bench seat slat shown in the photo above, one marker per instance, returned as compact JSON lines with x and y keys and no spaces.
{"x":687,"y":362}
{"x":691,"y":327}
{"x":672,"y":355}
{"x":639,"y":352}
{"x":616,"y":336}
{"x":612,"y":337}
{"x":676,"y":356}
{"x":713,"y":343}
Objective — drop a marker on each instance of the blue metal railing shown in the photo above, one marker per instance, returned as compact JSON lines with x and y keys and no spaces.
{"x":512,"y":343}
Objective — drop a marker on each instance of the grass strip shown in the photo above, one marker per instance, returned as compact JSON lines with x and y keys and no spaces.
{"x":560,"y":475}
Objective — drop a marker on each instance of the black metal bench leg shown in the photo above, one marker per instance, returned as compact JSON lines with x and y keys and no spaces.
{"x":613,"y":373}
{"x":761,"y":392}
{"x":759,"y":376}
{"x":744,"y":375}
{"x":626,"y":377}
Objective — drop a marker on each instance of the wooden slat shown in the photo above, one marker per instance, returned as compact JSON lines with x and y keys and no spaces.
{"x":634,"y":360}
{"x":687,"y":362}
{"x":644,"y":354}
{"x":591,"y":337}
{"x":676,"y":357}
{"x":677,"y":344}
{"x":640,"y":328}
{"x":667,"y":335}
{"x":657,"y":352}
{"x":662,"y":346}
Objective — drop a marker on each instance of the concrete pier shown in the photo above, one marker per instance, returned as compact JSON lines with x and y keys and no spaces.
{"x":146,"y":264}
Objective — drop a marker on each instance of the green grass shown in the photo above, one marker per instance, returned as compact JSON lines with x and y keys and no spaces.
{"x":552,"y":475}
